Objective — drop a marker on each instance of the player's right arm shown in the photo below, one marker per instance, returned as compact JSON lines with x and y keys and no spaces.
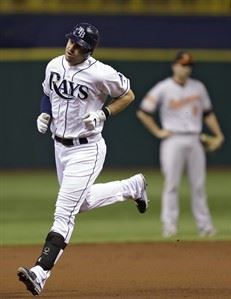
{"x":151,"y":125}
{"x":45,"y":114}
{"x":145,"y":114}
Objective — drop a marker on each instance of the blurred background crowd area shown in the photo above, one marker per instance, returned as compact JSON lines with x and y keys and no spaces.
{"x":161,"y":7}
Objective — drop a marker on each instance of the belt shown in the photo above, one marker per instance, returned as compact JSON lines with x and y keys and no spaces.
{"x":186,"y":133}
{"x":71,"y":141}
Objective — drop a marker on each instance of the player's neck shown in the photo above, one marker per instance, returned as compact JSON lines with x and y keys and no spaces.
{"x":75,"y":62}
{"x":180,"y":81}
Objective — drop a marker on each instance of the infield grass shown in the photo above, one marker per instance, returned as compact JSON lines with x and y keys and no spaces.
{"x":28,"y":198}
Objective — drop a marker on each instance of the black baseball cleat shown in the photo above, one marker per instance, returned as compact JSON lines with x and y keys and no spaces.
{"x":29,"y":279}
{"x":142,"y":202}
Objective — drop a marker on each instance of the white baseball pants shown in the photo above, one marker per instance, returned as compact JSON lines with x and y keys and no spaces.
{"x":179,"y":153}
{"x":77,"y":169}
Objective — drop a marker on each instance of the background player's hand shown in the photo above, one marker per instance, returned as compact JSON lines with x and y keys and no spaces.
{"x":211,"y":143}
{"x":162,"y":133}
{"x":93,"y":119}
{"x":42,"y":122}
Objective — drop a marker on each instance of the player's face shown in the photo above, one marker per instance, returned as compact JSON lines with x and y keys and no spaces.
{"x":182,"y":71}
{"x":74,"y":54}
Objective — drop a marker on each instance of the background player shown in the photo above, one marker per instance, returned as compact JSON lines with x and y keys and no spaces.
{"x":75,"y":88}
{"x":184,"y":103}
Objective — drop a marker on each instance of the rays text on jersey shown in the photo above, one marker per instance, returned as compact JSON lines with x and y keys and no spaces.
{"x":67,"y":89}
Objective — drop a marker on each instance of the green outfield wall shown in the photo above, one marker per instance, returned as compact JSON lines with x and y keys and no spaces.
{"x":128,"y":142}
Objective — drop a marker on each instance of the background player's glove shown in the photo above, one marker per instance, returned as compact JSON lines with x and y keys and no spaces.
{"x":211,"y":143}
{"x":42,"y":122}
{"x":93,"y":119}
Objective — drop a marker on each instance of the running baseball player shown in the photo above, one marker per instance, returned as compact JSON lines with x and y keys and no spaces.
{"x":183,"y":103}
{"x":75,"y":89}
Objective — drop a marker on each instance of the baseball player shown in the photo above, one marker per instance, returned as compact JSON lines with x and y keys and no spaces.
{"x":183,"y":104}
{"x":76,"y":87}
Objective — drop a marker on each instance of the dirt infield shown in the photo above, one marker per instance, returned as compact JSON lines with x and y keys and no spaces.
{"x":172,"y":270}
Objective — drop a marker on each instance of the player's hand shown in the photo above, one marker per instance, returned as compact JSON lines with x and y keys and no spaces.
{"x":162,"y":134}
{"x":211,"y":143}
{"x":43,"y":122}
{"x":93,"y":119}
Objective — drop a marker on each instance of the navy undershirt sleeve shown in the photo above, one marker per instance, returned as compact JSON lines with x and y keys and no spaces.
{"x":207,"y":112}
{"x":45,"y":105}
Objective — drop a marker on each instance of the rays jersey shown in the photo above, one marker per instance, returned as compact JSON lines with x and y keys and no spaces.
{"x":181,"y":107}
{"x":76,"y":90}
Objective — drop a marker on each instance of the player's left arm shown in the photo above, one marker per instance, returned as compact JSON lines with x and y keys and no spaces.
{"x":92,"y":119}
{"x":214,"y":142}
{"x":119,"y":104}
{"x":211,"y":143}
{"x":117,"y":86}
{"x":212,"y":123}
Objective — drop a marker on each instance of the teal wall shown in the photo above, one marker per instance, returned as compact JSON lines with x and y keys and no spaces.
{"x":129,"y":144}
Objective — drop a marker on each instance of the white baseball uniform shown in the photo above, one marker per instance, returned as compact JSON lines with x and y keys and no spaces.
{"x":74,"y":91}
{"x":75,"y":94}
{"x":181,"y":112}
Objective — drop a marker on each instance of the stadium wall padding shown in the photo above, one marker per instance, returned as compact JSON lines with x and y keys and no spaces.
{"x":120,"y":31}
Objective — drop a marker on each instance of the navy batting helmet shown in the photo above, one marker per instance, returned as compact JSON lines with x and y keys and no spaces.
{"x":85,"y":35}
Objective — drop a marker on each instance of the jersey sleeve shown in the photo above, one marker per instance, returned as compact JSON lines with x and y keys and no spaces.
{"x":150,"y":101}
{"x":206,"y":102}
{"x":114,"y":84}
{"x":46,"y":84}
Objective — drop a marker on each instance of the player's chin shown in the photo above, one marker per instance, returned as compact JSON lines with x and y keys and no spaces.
{"x":69,"y":57}
{"x":73,"y":60}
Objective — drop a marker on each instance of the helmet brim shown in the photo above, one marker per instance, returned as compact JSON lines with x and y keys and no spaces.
{"x":79,"y":41}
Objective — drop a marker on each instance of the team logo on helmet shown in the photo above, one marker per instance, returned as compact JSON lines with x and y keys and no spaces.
{"x":79,"y":31}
